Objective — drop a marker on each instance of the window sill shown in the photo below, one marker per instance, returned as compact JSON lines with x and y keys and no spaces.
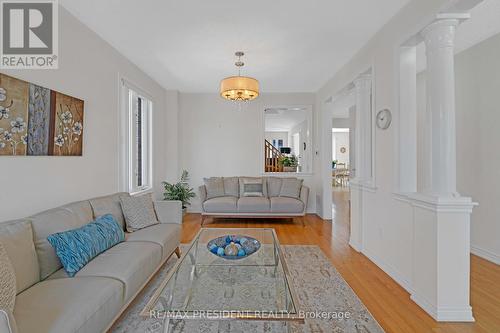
{"x":300,"y":174}
{"x":141,"y":192}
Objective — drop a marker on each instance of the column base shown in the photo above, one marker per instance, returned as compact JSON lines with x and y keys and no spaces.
{"x":441,"y":256}
{"x":445,"y":314}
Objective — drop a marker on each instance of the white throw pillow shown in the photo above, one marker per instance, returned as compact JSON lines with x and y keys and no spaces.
{"x":252,"y":187}
{"x":138,"y":211}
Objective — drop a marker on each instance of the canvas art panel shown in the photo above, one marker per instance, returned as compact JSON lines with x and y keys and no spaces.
{"x":38,"y":121}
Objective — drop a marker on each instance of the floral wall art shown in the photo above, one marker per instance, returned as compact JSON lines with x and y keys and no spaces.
{"x":38,"y":121}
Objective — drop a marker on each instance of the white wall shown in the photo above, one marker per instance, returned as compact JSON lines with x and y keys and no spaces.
{"x":477,"y":73}
{"x":270,"y":136}
{"x":339,"y":140}
{"x":89,"y":68}
{"x":388,"y":229}
{"x":218,"y":140}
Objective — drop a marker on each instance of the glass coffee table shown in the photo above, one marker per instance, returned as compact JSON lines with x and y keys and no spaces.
{"x":205,"y":286}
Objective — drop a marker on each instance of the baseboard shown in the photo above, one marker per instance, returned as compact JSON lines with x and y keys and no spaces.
{"x":444,"y":314}
{"x":394,"y":273}
{"x":485,"y":254}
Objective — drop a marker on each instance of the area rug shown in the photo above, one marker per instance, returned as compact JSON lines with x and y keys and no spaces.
{"x":319,"y":287}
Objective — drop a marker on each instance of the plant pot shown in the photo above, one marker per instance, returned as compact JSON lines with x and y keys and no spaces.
{"x":290,"y":169}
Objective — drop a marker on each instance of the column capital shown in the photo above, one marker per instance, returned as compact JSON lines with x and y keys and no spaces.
{"x":363,"y":81}
{"x":440,"y":33}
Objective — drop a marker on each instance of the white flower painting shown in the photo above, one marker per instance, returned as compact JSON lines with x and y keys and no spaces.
{"x":37,"y":121}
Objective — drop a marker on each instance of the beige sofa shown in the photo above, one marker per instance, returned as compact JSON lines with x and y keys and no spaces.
{"x":49,"y":301}
{"x":271,"y":205}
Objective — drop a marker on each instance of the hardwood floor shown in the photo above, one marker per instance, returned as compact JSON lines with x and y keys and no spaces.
{"x":388,"y":302}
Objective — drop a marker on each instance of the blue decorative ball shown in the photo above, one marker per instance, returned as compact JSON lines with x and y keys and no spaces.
{"x":228,"y":239}
{"x":214,"y":250}
{"x":241,"y":253}
{"x":213,"y":246}
{"x":220,"y":251}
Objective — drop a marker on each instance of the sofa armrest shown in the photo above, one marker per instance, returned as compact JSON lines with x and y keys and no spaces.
{"x":203,"y":194}
{"x":304,"y":196}
{"x":169,"y":211}
{"x":7,"y":322}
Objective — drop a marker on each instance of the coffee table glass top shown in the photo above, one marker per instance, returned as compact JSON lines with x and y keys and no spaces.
{"x":254,"y":287}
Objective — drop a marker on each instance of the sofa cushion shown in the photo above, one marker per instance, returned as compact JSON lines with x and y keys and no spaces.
{"x":45,"y":224}
{"x":214,"y":187}
{"x":75,"y":305}
{"x":7,"y":281}
{"x":221,"y":205}
{"x":231,"y":186}
{"x":17,"y":239}
{"x":82,"y":211}
{"x":109,"y":204}
{"x":138,"y":211}
{"x":76,"y":247}
{"x":253,"y":205}
{"x":167,"y":235}
{"x":129,"y":262}
{"x":290,"y":187}
{"x":252,"y":180}
{"x":286,"y":205}
{"x":273,"y":186}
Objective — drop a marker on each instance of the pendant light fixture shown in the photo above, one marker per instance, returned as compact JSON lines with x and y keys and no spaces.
{"x":239,"y":88}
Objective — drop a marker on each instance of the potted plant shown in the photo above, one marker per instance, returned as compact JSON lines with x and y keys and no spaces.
{"x":289,"y":163}
{"x":179,"y":191}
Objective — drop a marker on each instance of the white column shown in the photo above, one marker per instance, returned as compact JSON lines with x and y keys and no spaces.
{"x":440,"y":145}
{"x":441,"y":242}
{"x":363,"y":90}
{"x":363,"y":159}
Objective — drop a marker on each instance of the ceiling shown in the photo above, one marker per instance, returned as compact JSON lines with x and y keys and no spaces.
{"x":284,"y":119}
{"x":189,"y":45}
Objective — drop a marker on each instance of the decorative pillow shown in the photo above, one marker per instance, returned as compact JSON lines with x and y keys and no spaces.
{"x":290,"y":187}
{"x":7,"y":281}
{"x":254,"y":180}
{"x":75,"y":248}
{"x":274,"y":186}
{"x":138,"y":211}
{"x":253,"y":187}
{"x":214,"y":186}
{"x":231,"y":186}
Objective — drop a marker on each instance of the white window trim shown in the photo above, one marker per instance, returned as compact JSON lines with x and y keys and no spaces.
{"x":262,"y":126}
{"x":125,"y":139}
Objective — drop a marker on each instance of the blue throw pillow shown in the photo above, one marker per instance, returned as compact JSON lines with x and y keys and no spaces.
{"x":75,"y":248}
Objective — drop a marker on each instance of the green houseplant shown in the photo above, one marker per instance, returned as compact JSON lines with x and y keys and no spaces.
{"x":289,"y":163}
{"x":179,"y":191}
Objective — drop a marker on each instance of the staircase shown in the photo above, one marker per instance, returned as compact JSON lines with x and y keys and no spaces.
{"x":271,"y":158}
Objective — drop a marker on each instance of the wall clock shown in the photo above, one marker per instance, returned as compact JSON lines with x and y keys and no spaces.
{"x":384,"y":119}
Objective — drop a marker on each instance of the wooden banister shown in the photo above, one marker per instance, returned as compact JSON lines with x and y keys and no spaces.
{"x":271,"y":158}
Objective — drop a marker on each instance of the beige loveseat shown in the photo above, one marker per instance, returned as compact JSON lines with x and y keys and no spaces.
{"x":49,"y":301}
{"x":232,"y":201}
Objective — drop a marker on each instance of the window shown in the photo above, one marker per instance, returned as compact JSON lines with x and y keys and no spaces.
{"x":137,"y":148}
